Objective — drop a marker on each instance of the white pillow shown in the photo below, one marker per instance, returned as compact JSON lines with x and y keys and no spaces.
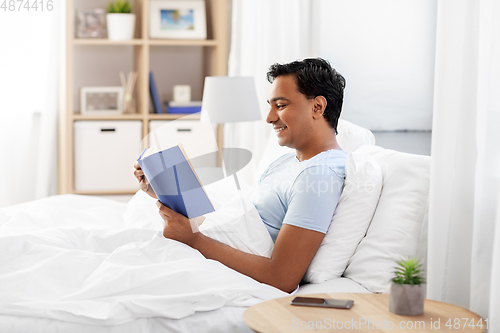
{"x":398,"y":225}
{"x":351,"y":218}
{"x":350,"y":137}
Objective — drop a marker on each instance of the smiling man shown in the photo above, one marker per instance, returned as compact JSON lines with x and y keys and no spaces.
{"x":303,"y":189}
{"x":298,"y":193}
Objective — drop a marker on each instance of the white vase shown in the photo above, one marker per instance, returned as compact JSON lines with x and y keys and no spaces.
{"x":120,"y":26}
{"x":406,"y":299}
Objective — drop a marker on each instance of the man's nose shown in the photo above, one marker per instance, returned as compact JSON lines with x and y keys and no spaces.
{"x":272,"y":116}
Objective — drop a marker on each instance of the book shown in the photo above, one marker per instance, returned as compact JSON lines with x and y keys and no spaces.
{"x":154,"y":94}
{"x":175,"y":182}
{"x":184,"y":107}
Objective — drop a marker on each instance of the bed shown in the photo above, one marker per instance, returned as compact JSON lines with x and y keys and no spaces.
{"x":118,"y":276}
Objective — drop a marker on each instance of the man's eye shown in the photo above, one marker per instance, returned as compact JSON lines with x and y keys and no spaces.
{"x":279,"y":106}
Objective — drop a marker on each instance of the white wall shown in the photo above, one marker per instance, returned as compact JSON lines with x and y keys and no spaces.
{"x":385,"y":50}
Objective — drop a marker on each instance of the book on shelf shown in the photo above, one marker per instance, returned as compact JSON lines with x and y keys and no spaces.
{"x":154,"y":94}
{"x":175,"y":182}
{"x":184,"y":107}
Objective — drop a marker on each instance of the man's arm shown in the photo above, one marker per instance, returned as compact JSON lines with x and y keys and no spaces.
{"x":294,"y":250}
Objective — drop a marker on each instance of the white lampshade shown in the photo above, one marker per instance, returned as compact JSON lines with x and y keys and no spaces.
{"x":229,"y":100}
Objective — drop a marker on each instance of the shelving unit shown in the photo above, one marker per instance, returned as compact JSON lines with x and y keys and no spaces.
{"x":214,"y":62}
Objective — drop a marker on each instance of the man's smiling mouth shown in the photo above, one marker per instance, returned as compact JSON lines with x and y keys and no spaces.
{"x":279,"y":129}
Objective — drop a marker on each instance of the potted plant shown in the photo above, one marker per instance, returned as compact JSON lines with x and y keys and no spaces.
{"x":120,"y":20}
{"x":407,"y":289}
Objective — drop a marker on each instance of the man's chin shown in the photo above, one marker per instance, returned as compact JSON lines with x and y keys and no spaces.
{"x":283,"y":144}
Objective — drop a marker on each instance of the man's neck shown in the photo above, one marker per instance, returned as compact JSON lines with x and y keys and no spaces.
{"x":317,"y":147}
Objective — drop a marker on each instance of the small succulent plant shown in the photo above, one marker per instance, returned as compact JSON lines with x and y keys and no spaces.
{"x":120,"y":6}
{"x":409,"y":271}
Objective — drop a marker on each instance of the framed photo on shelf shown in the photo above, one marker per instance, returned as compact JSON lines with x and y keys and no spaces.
{"x":101,"y":100}
{"x":91,"y":23}
{"x":177,"y":19}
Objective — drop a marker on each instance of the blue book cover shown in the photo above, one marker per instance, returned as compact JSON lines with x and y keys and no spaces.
{"x":184,"y":109}
{"x":175,"y":182}
{"x":154,"y":94}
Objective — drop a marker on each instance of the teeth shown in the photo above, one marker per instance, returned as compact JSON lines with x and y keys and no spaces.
{"x":279,"y":129}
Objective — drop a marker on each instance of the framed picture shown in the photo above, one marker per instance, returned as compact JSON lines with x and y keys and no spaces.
{"x":177,"y":19}
{"x":91,"y":23}
{"x":101,"y":100}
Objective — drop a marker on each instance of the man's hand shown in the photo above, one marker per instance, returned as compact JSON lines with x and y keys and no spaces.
{"x":177,"y":226}
{"x":143,"y":182}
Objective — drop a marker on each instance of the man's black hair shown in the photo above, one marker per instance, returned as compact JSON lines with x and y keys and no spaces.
{"x":315,"y":77}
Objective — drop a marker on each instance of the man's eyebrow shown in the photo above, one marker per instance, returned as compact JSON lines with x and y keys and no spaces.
{"x":277,"y":99}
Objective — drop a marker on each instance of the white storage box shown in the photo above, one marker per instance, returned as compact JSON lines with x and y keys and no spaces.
{"x":197,"y":139}
{"x":105,"y":153}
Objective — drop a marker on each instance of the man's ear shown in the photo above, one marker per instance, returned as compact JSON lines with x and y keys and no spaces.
{"x":319,"y":105}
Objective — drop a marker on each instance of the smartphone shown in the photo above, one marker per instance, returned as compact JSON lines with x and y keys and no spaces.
{"x":323,"y":302}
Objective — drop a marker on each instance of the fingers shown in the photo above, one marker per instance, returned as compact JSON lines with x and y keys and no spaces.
{"x":164,"y":217}
{"x":143,"y":185}
{"x":140,"y":178}
{"x":165,"y":210}
{"x":143,"y":181}
{"x":138,"y":173}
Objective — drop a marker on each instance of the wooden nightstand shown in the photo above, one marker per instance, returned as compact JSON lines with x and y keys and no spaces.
{"x":369,"y":313}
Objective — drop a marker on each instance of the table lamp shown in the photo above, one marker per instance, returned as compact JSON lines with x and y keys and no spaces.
{"x":230,"y":100}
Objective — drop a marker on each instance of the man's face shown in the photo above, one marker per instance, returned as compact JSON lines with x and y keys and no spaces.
{"x":290,"y":112}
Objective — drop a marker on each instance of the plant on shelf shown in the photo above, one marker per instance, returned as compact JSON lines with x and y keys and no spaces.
{"x":407,"y":288}
{"x":120,"y":6}
{"x":120,"y":20}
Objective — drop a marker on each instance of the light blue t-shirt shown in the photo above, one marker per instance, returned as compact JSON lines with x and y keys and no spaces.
{"x":304,"y":194}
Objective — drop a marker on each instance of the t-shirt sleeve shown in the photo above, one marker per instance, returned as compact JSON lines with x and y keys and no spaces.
{"x":313,"y":198}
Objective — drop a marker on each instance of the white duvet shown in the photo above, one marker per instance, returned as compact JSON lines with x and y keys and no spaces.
{"x":96,"y":261}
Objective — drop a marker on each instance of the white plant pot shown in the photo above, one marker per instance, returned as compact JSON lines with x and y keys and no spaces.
{"x":120,"y":26}
{"x":406,"y":299}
